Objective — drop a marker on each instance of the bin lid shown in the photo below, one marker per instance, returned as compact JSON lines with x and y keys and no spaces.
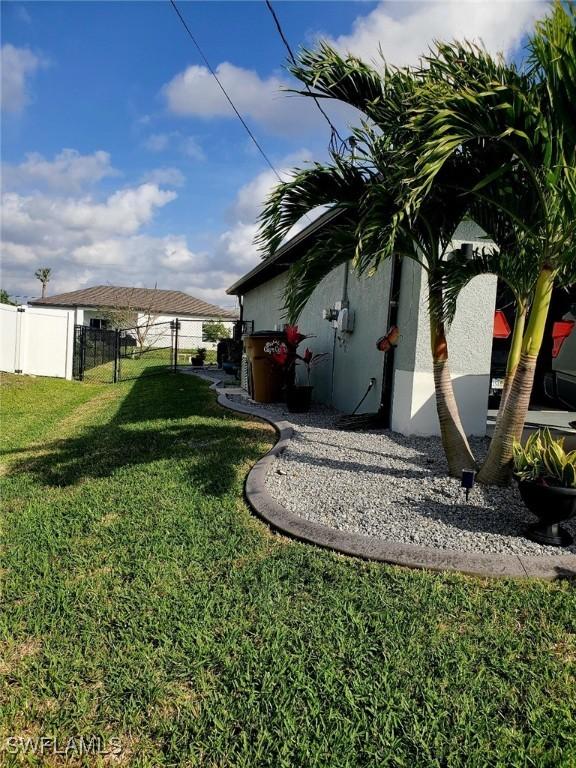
{"x":256,"y":334}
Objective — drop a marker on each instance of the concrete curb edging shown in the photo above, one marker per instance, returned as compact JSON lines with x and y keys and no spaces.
{"x":549,"y":567}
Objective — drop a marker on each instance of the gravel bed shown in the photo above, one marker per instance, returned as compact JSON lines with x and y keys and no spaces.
{"x":383,"y":484}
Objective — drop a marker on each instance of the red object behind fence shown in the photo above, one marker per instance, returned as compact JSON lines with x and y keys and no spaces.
{"x":501,"y":326}
{"x":560,"y":332}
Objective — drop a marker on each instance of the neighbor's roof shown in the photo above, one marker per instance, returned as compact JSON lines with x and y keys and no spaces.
{"x":144,"y":299}
{"x":285,"y":256}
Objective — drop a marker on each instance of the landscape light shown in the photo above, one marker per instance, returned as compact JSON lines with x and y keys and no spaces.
{"x":468,"y":477}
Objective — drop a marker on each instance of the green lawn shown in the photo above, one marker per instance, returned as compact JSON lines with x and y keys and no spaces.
{"x":135,"y":364}
{"x":142,"y":601}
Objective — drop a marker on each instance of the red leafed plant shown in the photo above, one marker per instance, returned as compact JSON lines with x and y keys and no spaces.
{"x":285,"y":353}
{"x":293,"y":337}
{"x":310,"y":359}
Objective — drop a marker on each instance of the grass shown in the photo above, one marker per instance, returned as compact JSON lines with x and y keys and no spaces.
{"x":144,"y":602}
{"x":136,"y":364}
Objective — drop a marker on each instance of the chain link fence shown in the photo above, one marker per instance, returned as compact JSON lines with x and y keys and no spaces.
{"x":111,"y":355}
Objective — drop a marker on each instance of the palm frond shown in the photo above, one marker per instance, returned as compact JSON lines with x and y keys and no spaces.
{"x":379,"y":94}
{"x":334,"y":245}
{"x":553,"y":59}
{"x":339,"y":184}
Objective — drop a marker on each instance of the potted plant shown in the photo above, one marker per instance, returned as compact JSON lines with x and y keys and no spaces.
{"x":285,"y":354}
{"x":546,"y":476}
{"x":199,"y":357}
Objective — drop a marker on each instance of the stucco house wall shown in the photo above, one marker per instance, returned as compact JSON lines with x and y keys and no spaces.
{"x":353,"y":359}
{"x":469,"y":353}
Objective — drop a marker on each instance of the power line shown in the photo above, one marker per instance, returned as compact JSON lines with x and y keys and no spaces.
{"x":334,"y":135}
{"x":215,"y":76}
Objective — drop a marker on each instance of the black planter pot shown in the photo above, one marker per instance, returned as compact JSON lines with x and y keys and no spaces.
{"x":551,"y":506}
{"x":298,"y":399}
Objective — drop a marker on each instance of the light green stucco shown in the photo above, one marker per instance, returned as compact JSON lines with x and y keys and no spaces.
{"x":352,"y":358}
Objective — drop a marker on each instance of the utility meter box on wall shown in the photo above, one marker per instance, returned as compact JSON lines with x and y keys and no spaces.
{"x":345,"y":322}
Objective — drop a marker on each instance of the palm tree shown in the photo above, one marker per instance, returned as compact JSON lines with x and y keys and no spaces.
{"x":371,"y":226}
{"x":43,"y":274}
{"x":514,"y":261}
{"x":478,"y":104}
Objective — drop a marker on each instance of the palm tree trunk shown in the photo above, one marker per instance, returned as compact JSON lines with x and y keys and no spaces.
{"x":497,"y":468}
{"x":43,"y":290}
{"x":454,"y":440}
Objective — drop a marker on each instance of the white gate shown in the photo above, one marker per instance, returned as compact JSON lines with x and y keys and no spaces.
{"x":36,"y":341}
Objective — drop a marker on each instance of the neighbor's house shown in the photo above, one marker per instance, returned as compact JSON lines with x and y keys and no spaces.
{"x":396,"y":295}
{"x":102,"y":305}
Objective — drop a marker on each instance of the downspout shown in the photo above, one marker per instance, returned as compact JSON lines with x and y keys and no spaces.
{"x":388,"y":363}
{"x":240,"y":298}
{"x":345,"y":283}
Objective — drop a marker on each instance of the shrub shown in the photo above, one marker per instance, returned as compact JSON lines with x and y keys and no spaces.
{"x":543,"y":460}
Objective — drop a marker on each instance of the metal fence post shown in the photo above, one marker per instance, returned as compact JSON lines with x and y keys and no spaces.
{"x":82,"y":352}
{"x":176,"y":327}
{"x":116,"y":355}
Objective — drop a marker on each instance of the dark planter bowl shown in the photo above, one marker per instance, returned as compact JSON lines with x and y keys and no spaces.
{"x":298,"y":399}
{"x":551,"y":506}
{"x":197,"y":362}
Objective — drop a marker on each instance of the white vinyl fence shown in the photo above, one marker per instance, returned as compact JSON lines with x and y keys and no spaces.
{"x":36,"y":341}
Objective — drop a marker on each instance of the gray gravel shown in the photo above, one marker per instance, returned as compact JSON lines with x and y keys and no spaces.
{"x":383,"y":484}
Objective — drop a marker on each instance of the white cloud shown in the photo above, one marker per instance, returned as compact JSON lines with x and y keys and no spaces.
{"x":178,"y":256}
{"x":17,"y":65}
{"x":22,"y":15}
{"x":140,"y":251}
{"x":157,"y":142}
{"x":236,"y":247}
{"x":211,"y":286}
{"x":165,"y":176}
{"x":54,"y":228}
{"x":103,"y":253}
{"x":195,"y":93}
{"x":190,"y":147}
{"x":251,"y":196}
{"x":186,"y":145}
{"x":69,"y":171}
{"x":87,"y":242}
{"x":17,"y":253}
{"x":405,"y":31}
{"x":124,"y":212}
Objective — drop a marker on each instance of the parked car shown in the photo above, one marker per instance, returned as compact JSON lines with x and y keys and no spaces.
{"x":560,"y":382}
{"x":503,"y":323}
{"x":555,"y":378}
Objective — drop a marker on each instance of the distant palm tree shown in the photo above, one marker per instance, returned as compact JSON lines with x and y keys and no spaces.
{"x":43,"y":274}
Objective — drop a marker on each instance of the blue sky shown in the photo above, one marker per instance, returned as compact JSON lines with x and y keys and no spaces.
{"x":123,"y":164}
